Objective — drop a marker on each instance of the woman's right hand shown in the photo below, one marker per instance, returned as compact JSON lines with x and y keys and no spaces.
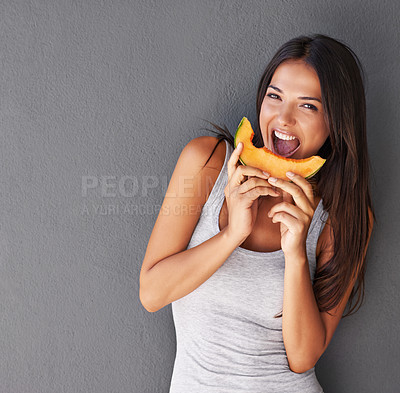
{"x":242,"y":194}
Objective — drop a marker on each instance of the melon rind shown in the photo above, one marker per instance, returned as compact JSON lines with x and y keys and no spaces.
{"x":270,"y":162}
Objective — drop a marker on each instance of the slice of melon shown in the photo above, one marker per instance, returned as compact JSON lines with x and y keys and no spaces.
{"x":266,"y":160}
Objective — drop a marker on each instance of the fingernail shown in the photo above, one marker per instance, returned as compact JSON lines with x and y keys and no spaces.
{"x":265,"y":173}
{"x":272,"y":179}
{"x":289,"y":174}
{"x":239,"y":145}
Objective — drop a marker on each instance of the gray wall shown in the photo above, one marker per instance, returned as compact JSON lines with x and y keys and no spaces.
{"x":98,"y":98}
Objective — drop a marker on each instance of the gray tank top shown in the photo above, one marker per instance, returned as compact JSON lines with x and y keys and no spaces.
{"x":228,"y":340}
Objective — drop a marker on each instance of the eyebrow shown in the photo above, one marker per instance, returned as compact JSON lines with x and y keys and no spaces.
{"x":301,"y":98}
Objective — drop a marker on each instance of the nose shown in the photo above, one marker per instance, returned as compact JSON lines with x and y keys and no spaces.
{"x":286,"y":116}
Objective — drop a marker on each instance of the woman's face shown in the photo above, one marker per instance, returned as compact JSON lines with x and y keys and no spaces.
{"x":291,"y":118}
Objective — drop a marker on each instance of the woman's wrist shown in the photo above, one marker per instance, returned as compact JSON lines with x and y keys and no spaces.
{"x":298,"y":258}
{"x":234,"y":239}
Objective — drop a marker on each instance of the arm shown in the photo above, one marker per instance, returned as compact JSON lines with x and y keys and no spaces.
{"x":306,"y":331}
{"x":169,"y":271}
{"x":178,"y":275}
{"x":302,"y":326}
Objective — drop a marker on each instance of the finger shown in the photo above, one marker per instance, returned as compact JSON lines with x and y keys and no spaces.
{"x":254,"y":182}
{"x":254,"y":193}
{"x":244,"y":171}
{"x":293,"y":225}
{"x":299,"y":197}
{"x":289,"y":208}
{"x":233,"y":159}
{"x":304,"y":184}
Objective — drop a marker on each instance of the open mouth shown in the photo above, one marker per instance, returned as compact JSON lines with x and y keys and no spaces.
{"x":284,"y":144}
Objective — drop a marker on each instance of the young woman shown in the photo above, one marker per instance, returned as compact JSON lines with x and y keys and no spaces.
{"x":259,"y":270}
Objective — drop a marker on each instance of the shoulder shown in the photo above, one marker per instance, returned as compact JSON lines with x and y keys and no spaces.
{"x":202,"y":159}
{"x":371,"y":218}
{"x":199,"y":149}
{"x":326,"y":241}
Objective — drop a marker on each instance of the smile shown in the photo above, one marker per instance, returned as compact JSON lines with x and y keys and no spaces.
{"x":284,"y":144}
{"x":285,"y":137}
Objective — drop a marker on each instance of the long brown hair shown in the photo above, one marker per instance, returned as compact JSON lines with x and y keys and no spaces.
{"x":343,"y":182}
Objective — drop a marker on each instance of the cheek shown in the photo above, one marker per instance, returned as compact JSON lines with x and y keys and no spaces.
{"x":265,"y":108}
{"x":323,"y":130}
{"x":320,"y":140}
{"x":325,"y":133}
{"x":262,"y":112}
{"x":316,"y":139}
{"x":263,"y":117}
{"x":265,"y":114}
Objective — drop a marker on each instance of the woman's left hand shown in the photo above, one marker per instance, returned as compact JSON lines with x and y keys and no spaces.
{"x":294,"y":214}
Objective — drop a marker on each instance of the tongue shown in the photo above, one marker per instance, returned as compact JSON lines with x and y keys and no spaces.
{"x":284,"y":148}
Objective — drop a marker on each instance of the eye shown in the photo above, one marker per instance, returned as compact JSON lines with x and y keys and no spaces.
{"x":312,"y":107}
{"x":272,"y":94}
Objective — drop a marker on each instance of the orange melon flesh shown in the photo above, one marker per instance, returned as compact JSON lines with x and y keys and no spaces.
{"x":266,"y":160}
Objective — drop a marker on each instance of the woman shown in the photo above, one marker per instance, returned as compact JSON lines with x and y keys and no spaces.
{"x":229,"y":260}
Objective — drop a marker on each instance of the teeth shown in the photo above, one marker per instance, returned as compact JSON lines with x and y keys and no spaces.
{"x":285,"y":137}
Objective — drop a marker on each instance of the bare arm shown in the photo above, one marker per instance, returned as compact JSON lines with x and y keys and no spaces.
{"x":306,"y":331}
{"x":179,"y":274}
{"x":169,"y":270}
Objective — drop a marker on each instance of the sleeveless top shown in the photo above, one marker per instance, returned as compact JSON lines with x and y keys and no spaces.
{"x":226,"y":335}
